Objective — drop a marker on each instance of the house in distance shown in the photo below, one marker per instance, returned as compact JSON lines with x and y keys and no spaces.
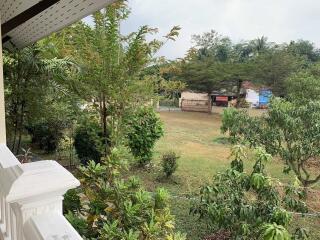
{"x":251,"y":96}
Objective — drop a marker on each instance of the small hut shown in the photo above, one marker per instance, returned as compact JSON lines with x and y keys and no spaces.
{"x":195,"y":102}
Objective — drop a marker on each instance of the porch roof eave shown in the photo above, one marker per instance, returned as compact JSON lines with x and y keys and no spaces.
{"x":27,"y":21}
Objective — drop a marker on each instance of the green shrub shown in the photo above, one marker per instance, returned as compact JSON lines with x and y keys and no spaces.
{"x":169,"y":163}
{"x":144,"y":129}
{"x":88,"y":141}
{"x":71,"y":201}
{"x":46,"y":133}
{"x":117,"y":208}
{"x":248,"y":205}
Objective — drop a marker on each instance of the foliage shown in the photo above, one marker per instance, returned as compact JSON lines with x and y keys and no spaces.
{"x":274,"y":231}
{"x":274,"y":67}
{"x":171,"y":89}
{"x":71,"y":201}
{"x":31,"y":78}
{"x":116,"y":209}
{"x":47,"y":133}
{"x":144,"y":129}
{"x":112,"y":66}
{"x":304,"y":49}
{"x":289,"y":130}
{"x":88,"y":140}
{"x":249,"y":205}
{"x":304,"y":85}
{"x":169,"y":163}
{"x":239,"y":125}
{"x":212,"y":44}
{"x":215,"y":63}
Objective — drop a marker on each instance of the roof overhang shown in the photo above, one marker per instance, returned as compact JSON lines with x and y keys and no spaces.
{"x":24,"y":22}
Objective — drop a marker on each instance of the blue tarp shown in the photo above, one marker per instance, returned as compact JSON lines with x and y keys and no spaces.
{"x":264,"y":97}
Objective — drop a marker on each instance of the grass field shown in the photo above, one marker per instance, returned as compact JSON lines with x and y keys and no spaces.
{"x":197,"y":138}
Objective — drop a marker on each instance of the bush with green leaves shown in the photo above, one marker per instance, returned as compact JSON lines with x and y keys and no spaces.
{"x":289,"y":129}
{"x":119,"y":209}
{"x":144,"y":129}
{"x":169,"y":163}
{"x":88,"y":140}
{"x":71,"y":201}
{"x":46,"y":133}
{"x":248,"y":205}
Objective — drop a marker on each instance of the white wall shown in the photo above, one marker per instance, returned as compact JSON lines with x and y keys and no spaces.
{"x":2,"y":112}
{"x":252,"y":97}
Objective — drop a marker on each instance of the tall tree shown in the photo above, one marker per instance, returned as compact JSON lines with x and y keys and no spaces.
{"x":112,"y":65}
{"x":305,"y":49}
{"x":29,"y":75}
{"x":271,"y":69}
{"x":260,"y":45}
{"x":213,"y":45}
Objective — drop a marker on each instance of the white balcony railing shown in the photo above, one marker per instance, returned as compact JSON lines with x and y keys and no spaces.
{"x":31,"y":198}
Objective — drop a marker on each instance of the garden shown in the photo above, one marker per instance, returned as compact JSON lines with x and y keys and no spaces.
{"x":87,"y":96}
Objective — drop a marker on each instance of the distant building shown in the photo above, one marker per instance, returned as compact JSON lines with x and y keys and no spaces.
{"x":194,"y":102}
{"x":251,"y":94}
{"x":223,"y":98}
{"x":252,"y":98}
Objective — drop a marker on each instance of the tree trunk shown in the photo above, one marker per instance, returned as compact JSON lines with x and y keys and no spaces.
{"x":14,"y":133}
{"x":104,"y":124}
{"x":16,"y":125}
{"x":209,"y":103}
{"x":20,"y":129}
{"x":239,"y":92}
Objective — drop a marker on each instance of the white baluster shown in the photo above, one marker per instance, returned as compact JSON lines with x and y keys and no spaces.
{"x":31,"y":198}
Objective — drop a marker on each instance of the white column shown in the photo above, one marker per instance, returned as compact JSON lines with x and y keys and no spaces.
{"x":32,"y":194}
{"x":2,"y":111}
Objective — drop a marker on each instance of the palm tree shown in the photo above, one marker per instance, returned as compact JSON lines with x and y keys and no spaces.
{"x":259,"y":45}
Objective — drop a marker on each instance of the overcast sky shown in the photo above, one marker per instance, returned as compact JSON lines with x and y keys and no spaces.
{"x":279,"y":20}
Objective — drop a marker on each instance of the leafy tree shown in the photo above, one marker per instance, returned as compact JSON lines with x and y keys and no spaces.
{"x":112,"y":65}
{"x":260,"y":45}
{"x":209,"y":75}
{"x":30,"y":78}
{"x":304,"y":85}
{"x":305,"y":49}
{"x":288,"y":130}
{"x":213,"y":45}
{"x":144,"y":128}
{"x":242,"y":52}
{"x":247,"y":205}
{"x":171,"y":90}
{"x":271,"y":69}
{"x":203,"y":76}
{"x":215,"y":63}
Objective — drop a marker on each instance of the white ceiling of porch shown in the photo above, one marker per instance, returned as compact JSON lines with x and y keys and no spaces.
{"x":56,"y":17}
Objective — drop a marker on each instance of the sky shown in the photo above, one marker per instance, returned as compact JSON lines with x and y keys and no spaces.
{"x":279,"y":20}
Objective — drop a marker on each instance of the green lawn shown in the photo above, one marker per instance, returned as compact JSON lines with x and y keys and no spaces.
{"x":197,"y":138}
